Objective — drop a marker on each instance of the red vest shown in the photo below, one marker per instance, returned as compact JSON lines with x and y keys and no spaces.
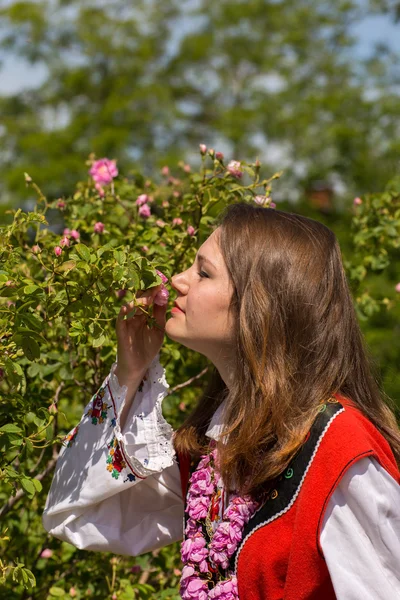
{"x":280,"y":557}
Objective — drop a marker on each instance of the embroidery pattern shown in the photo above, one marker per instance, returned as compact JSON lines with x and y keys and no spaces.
{"x":116,"y":462}
{"x":98,"y":412}
{"x":69,"y":439}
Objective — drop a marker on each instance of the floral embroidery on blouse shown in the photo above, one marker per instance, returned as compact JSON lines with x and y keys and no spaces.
{"x":116,"y":462}
{"x":98,"y":412}
{"x":68,"y":440}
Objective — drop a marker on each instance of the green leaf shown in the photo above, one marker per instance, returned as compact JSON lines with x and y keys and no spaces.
{"x":56,"y":592}
{"x":28,"y":486}
{"x":25,"y":331}
{"x":10,"y":428}
{"x":83,"y":252}
{"x":135,"y":282}
{"x":119,"y":256}
{"x":30,"y":578}
{"x":99,"y":341}
{"x":37,"y":485}
{"x":118,"y":273}
{"x":31,"y":348}
{"x":16,"y":442}
{"x":68,"y":265}
{"x":84,"y":266}
{"x":32,"y":321}
{"x":33,"y":370}
{"x":29,"y":289}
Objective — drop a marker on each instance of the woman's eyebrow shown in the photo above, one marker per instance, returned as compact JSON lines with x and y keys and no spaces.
{"x":200,"y":258}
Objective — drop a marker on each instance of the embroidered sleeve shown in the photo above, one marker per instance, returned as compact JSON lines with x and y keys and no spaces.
{"x":146,"y":441}
{"x":110,"y":482}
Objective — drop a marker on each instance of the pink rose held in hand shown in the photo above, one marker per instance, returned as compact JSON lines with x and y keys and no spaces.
{"x":162,"y":296}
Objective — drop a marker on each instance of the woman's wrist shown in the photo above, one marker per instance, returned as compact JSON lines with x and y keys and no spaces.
{"x":130,"y":380}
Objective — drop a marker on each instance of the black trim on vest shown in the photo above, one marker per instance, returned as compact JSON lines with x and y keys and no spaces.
{"x":287,"y":486}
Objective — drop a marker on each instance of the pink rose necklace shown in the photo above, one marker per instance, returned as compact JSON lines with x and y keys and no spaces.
{"x":204,"y":561}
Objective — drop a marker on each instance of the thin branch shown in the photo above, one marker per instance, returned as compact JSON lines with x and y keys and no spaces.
{"x":188,"y":382}
{"x":10,"y":503}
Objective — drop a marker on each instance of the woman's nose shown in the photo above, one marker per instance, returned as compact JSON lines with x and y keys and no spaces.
{"x":178,"y":282}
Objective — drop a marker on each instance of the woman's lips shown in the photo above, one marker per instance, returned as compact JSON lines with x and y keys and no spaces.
{"x":177,"y":310}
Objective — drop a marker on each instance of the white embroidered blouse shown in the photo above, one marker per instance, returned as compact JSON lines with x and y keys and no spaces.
{"x":119,"y":490}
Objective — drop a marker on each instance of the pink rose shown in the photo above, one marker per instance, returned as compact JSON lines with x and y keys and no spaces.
{"x":219,"y":156}
{"x":177,"y":221}
{"x":194,"y":549}
{"x":272,"y":205}
{"x":144,"y":211}
{"x":144,"y":249}
{"x":176,"y":194}
{"x":192,"y":587}
{"x":225,"y":590}
{"x":75,"y":234}
{"x":98,"y":227}
{"x":162,"y":296}
{"x":190,"y":230}
{"x":201,"y":483}
{"x":36,"y":249}
{"x":61,"y":204}
{"x":397,"y":288}
{"x":66,"y":231}
{"x":165,"y":171}
{"x":165,"y":203}
{"x":57,"y":251}
{"x":187,"y":168}
{"x":203,"y":148}
{"x":72,"y":592}
{"x":142,"y":199}
{"x":234,"y":169}
{"x":262,"y":199}
{"x":103,"y":171}
{"x":197,"y":507}
{"x":357,"y":201}
{"x":160,"y":223}
{"x":64,"y":241}
{"x":192,"y":528}
{"x":46,"y":553}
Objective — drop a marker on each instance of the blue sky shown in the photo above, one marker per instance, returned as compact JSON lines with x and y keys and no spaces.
{"x":16,"y":75}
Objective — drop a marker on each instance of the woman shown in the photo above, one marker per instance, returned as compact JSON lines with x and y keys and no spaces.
{"x":292,"y":453}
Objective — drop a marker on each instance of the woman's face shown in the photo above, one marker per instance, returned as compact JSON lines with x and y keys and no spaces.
{"x":204,"y":293}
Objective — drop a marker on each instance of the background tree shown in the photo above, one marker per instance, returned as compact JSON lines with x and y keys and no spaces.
{"x":145,"y":81}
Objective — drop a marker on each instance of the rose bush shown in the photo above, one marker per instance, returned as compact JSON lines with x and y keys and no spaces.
{"x":60,"y":296}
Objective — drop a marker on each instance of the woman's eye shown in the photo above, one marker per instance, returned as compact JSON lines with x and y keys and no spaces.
{"x":203,"y":274}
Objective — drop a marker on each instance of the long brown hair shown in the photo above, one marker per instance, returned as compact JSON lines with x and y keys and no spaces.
{"x":297,"y":343}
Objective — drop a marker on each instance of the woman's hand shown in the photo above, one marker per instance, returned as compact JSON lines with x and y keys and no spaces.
{"x":138,"y":344}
